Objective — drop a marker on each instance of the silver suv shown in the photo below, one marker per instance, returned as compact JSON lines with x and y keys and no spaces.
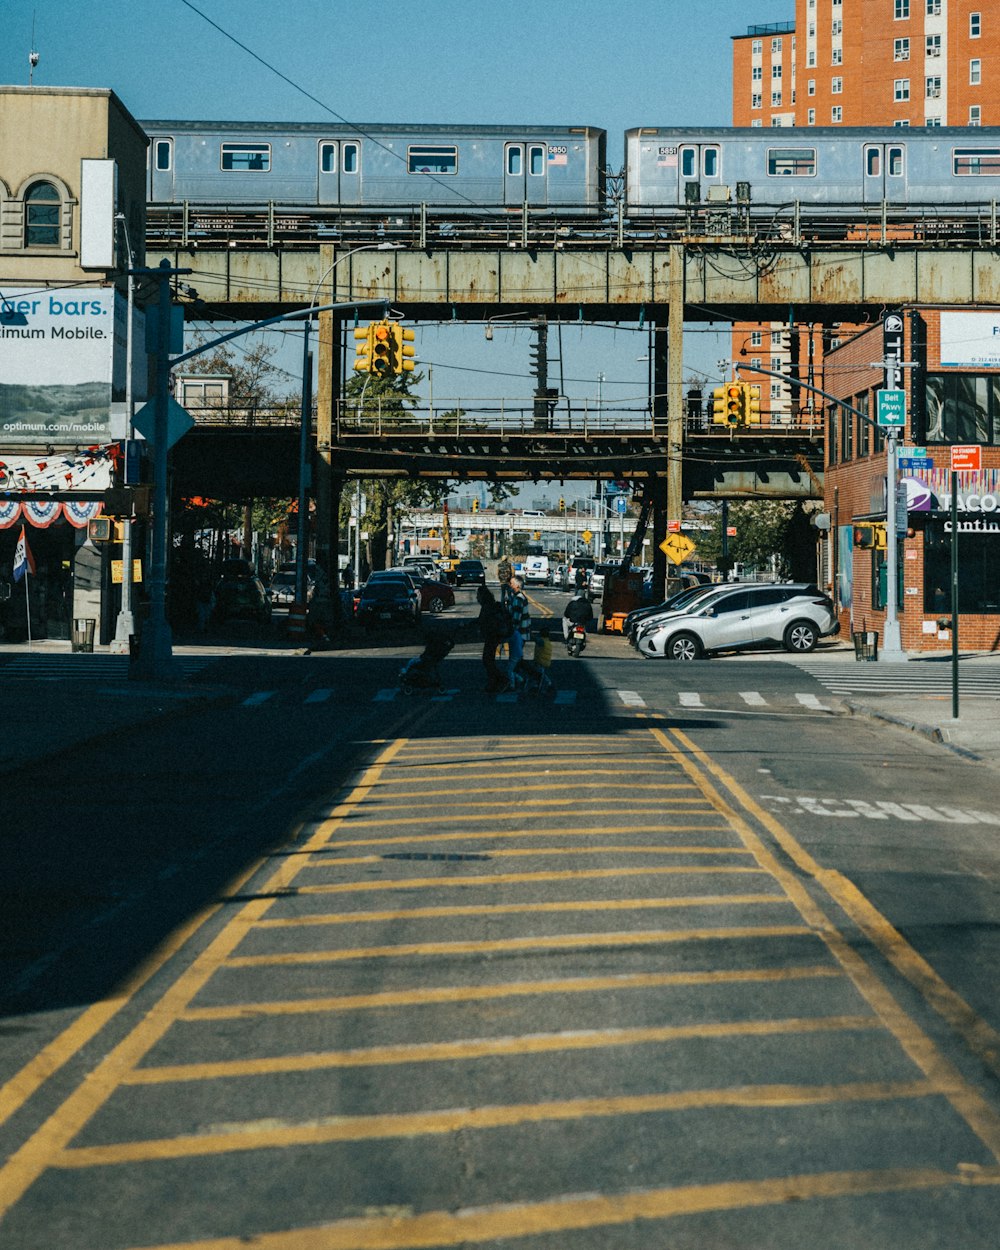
{"x":794,"y":615}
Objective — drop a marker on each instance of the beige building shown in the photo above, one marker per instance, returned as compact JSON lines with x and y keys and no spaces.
{"x":72,"y":191}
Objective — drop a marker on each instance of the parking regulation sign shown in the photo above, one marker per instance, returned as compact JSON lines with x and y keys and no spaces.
{"x":891,"y":408}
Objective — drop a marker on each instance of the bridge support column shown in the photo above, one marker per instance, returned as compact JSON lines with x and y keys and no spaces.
{"x":675,"y":385}
{"x":327,"y":482}
{"x":656,"y":486}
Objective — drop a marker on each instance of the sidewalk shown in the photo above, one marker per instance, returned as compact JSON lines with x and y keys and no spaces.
{"x":976,"y":732}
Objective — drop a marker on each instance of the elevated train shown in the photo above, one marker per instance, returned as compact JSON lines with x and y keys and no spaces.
{"x":312,"y":180}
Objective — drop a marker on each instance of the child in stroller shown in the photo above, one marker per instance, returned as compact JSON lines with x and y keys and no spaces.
{"x":422,"y":671}
{"x":535,"y":672}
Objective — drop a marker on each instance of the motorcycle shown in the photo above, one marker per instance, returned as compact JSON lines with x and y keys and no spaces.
{"x":576,"y":640}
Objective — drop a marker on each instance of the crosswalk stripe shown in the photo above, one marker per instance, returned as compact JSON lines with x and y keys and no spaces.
{"x":753,"y":698}
{"x":631,"y":698}
{"x":259,"y":697}
{"x":318,"y":696}
{"x":811,"y":701}
{"x":688,"y":698}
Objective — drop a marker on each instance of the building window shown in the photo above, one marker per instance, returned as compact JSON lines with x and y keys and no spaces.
{"x":932,"y":121}
{"x":846,"y":434}
{"x":810,"y":117}
{"x":756,"y":122}
{"x":777,"y":338}
{"x":831,"y":436}
{"x":901,"y":9}
{"x":776,"y":390}
{"x":811,"y":58}
{"x":775,"y":99}
{"x":837,"y":56}
{"x":756,"y":101}
{"x":933,"y":45}
{"x":836,"y":115}
{"x":901,"y":49}
{"x":975,"y":72}
{"x":837,"y":27}
{"x":811,"y":86}
{"x":933,"y":8}
{"x":903,"y":122}
{"x":864,"y":426}
{"x":776,"y":47}
{"x":757,"y":47}
{"x":975,"y":115}
{"x":244,"y":158}
{"x":901,"y":89}
{"x":756,"y":339}
{"x":775,"y":71}
{"x":963,"y":408}
{"x":42,"y":207}
{"x":979,"y":558}
{"x":757,"y":73}
{"x":932,"y":87}
{"x":836,"y":86}
{"x":975,"y":25}
{"x":754,"y":362}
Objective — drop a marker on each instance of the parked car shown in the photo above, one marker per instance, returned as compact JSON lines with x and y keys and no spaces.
{"x":435,"y":594}
{"x":467,"y":571}
{"x":795,"y":615}
{"x":695,"y":597}
{"x":673,"y":603}
{"x":240,"y":595}
{"x":282,"y":587}
{"x":388,"y":600}
{"x":424,"y":566}
{"x":595,"y":584}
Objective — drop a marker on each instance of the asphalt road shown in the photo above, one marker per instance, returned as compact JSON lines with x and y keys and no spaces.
{"x":677,"y":956}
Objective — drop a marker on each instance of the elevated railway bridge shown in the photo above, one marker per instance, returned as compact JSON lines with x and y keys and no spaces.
{"x":648,"y":281}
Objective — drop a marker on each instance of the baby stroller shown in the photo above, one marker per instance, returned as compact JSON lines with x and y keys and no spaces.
{"x":422,"y":671}
{"x":532,"y":677}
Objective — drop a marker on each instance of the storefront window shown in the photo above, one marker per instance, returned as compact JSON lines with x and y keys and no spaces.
{"x":978,"y":563}
{"x":963,"y":408}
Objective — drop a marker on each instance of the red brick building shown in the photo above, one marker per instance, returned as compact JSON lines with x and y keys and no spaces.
{"x":952,"y":398}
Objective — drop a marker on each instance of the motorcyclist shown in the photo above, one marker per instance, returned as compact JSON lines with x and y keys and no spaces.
{"x":577,"y":612}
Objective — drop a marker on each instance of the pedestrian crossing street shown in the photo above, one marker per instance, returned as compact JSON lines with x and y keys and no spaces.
{"x":918,"y":677}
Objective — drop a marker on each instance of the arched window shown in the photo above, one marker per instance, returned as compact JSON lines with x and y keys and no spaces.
{"x":42,"y":205}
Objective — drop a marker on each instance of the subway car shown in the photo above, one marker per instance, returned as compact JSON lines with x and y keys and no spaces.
{"x":452,"y":170}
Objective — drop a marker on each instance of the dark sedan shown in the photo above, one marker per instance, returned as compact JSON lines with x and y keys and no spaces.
{"x":388,"y":602}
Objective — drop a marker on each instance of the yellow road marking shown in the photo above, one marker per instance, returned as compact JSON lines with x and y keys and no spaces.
{"x":271,"y":1134}
{"x":490,"y":767}
{"x":575,"y":787}
{"x":528,"y":852}
{"x":36,"y":1154}
{"x":641,"y":801}
{"x":676,"y":807}
{"x":513,"y":909}
{"x":528,"y":878}
{"x":559,"y":941}
{"x":574,"y":1213}
{"x":416,"y":839}
{"x":966,"y":1101}
{"x":980,"y":1036}
{"x":447,"y":994}
{"x":485,"y":1047}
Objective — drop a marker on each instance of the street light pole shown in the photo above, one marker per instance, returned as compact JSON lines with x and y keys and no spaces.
{"x":125,"y":624}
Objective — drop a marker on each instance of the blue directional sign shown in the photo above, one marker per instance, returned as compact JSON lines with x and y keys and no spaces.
{"x":622,"y":504}
{"x":891,"y":408}
{"x":915,"y":462}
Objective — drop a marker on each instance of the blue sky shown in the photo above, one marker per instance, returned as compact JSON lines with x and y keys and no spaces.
{"x":650,"y":62}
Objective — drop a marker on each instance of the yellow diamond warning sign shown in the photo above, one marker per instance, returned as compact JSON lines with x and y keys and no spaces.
{"x":677,"y":548}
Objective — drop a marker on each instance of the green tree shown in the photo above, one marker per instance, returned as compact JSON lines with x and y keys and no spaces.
{"x":766,"y":530}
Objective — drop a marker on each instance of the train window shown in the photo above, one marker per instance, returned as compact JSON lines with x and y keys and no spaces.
{"x":240,"y":157}
{"x":351,"y":158}
{"x":797,"y":162}
{"x":536,"y":160}
{"x":328,"y":158}
{"x":164,"y":153}
{"x":976,"y":162}
{"x":710,"y":162}
{"x":514,"y":159}
{"x":689,"y":163}
{"x":894,"y":162}
{"x":873,"y":162}
{"x":432,"y":160}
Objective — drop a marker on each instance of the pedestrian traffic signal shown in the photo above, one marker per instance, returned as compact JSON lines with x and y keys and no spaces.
{"x":382,"y":349}
{"x":364,"y":350}
{"x":751,"y":403}
{"x":402,"y":357}
{"x":864,"y":536}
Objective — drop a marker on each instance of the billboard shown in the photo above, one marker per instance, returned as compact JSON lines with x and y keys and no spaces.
{"x":969,"y":339}
{"x":56,"y":362}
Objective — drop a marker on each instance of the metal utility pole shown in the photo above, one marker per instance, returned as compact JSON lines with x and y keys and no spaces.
{"x":544,"y":395}
{"x":125,"y":624}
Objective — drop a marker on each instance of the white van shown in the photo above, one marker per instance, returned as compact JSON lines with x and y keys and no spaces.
{"x":536,"y":571}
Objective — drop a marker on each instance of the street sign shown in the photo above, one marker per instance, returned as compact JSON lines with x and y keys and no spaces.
{"x":902,"y":510}
{"x":622,"y":504}
{"x":673,"y":527}
{"x":966,"y":459}
{"x":915,"y":462}
{"x":179,"y":421}
{"x":891,"y":408}
{"x":677,"y":547}
{"x":586,"y":536}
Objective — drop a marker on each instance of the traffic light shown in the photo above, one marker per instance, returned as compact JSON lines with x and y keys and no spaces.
{"x":562,"y":505}
{"x":475,"y":505}
{"x":878,"y":536}
{"x":382,"y":349}
{"x":719,"y":406}
{"x":752,"y":402}
{"x":365,"y":349}
{"x":864,"y":536}
{"x":734,"y":404}
{"x":402,"y":361}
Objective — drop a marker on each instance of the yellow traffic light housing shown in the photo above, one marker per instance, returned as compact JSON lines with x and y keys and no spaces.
{"x":475,"y":505}
{"x":402,"y":351}
{"x":382,"y":349}
{"x":878,"y":536}
{"x":734,"y":404}
{"x":365,"y":349}
{"x":719,"y":406}
{"x":752,"y":409}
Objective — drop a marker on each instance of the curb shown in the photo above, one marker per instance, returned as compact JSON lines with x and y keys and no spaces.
{"x":932,"y":732}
